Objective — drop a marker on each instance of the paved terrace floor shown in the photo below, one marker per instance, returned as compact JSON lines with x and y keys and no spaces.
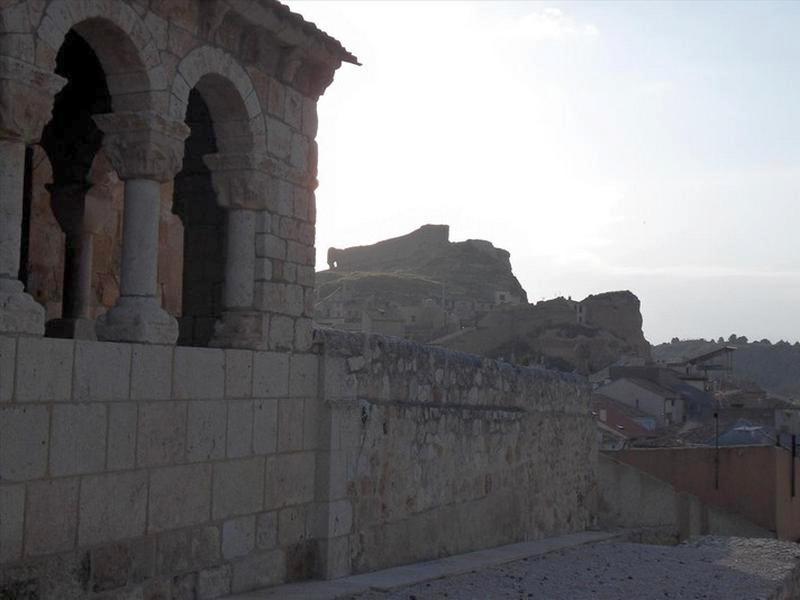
{"x":587,"y":566}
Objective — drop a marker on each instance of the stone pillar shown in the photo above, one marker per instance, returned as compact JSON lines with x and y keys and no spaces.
{"x":146,"y":149}
{"x":241,"y":185}
{"x":69,"y":202}
{"x":26,"y":104}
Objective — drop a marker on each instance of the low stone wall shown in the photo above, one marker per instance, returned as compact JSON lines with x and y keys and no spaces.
{"x":433,"y":452}
{"x":144,"y":472}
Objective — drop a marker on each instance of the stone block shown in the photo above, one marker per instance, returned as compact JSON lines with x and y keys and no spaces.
{"x":238,"y":487}
{"x":270,"y":246}
{"x":310,"y":120}
{"x":122,"y":424}
{"x":238,"y":373}
{"x":240,"y":428}
{"x":206,"y":427}
{"x":102,"y":371}
{"x":279,"y":138}
{"x":270,"y":375}
{"x":302,"y":254}
{"x":258,"y":570}
{"x":291,"y":526}
{"x":340,"y":518}
{"x":199,"y":373}
{"x":44,"y":369}
{"x":12,"y":516}
{"x":263,"y":269}
{"x":151,"y":372}
{"x":281,"y":297}
{"x":8,"y":353}
{"x":112,"y":507}
{"x":290,"y":425}
{"x":116,"y":565}
{"x":305,"y":276}
{"x":265,"y":426}
{"x":293,"y":109}
{"x":281,"y":333}
{"x":267,"y":530}
{"x":303,"y":335}
{"x":52,"y":516}
{"x":303,"y":374}
{"x":311,"y":424}
{"x":289,"y":480}
{"x":188,"y":550}
{"x":23,"y":442}
{"x":298,"y":156}
{"x":263,"y":222}
{"x":78,"y":439}
{"x":334,"y":555}
{"x":238,"y":536}
{"x":161,"y":435}
{"x":179,"y":497}
{"x":214,"y":583}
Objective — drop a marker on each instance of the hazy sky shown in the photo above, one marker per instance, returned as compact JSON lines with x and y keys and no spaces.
{"x":646,"y":146}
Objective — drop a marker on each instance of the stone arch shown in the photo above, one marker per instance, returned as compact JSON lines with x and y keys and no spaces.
{"x":230,"y":95}
{"x":123,"y":44}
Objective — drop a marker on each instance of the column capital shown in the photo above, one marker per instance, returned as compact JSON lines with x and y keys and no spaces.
{"x":240,"y":180}
{"x":143,"y":145}
{"x":26,"y":100}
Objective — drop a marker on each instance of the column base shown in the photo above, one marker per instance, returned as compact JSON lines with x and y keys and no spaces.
{"x":19,"y":312}
{"x":246,"y":330}
{"x":137,"y":319}
{"x":75,"y":329}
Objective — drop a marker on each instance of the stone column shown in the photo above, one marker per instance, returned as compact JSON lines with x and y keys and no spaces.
{"x":146,"y":149}
{"x":26,"y":104}
{"x":68,"y":202}
{"x":241,"y":186}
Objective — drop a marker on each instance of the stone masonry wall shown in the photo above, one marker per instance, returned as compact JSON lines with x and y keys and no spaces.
{"x":431,"y":452}
{"x":144,"y":472}
{"x":136,"y":471}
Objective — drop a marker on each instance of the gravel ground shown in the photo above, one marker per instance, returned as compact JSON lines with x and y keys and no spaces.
{"x":708,"y":568}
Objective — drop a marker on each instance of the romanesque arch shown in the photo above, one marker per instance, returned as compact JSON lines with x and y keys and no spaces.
{"x":123,"y":44}
{"x":218,"y":194}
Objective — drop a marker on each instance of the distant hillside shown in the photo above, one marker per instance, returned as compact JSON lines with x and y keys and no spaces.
{"x":423,"y":264}
{"x":774,"y":367}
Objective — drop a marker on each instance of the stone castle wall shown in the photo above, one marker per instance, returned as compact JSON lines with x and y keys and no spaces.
{"x":138,"y":471}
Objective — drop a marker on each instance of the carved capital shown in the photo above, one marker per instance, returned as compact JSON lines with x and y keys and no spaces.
{"x":143,"y":145}
{"x":26,"y":99}
{"x":239,"y":180}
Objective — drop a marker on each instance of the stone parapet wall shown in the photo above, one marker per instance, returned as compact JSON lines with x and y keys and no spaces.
{"x":139,"y":471}
{"x":145,"y":471}
{"x":432,"y":452}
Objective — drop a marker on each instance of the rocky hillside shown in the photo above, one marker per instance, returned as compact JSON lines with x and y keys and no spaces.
{"x":584,"y":336}
{"x":464,"y":296}
{"x":423,"y":264}
{"x":773,"y":367}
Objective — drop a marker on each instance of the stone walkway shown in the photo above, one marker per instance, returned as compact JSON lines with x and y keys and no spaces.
{"x":580,"y":569}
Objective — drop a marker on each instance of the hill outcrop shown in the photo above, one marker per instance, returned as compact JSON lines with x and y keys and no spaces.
{"x":584,"y":336}
{"x":464,"y":296}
